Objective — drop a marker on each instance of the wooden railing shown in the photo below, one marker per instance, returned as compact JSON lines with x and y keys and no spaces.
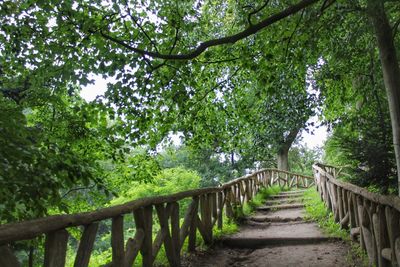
{"x":205,"y":210}
{"x":373,"y":219}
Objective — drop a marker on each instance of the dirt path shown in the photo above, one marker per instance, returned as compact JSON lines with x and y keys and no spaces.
{"x":276,"y":235}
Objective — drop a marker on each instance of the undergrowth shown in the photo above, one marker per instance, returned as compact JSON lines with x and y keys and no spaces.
{"x":259,"y":199}
{"x":316,"y":211}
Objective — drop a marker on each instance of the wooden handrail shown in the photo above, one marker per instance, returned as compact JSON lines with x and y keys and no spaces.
{"x":389,"y":200}
{"x":373,"y":219}
{"x":204,"y":211}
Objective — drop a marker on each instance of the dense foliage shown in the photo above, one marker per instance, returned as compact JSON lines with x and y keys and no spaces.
{"x":237,"y":80}
{"x":55,"y":145}
{"x":237,"y":106}
{"x":355,"y":103}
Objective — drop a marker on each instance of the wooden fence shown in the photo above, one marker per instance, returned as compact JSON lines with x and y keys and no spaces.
{"x":204,"y":212}
{"x":373,"y":219}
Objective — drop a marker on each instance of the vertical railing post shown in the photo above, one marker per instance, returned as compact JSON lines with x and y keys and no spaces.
{"x":117,"y":241}
{"x":55,"y":248}
{"x":220,"y":198}
{"x":144,"y":220}
{"x":193,"y":225}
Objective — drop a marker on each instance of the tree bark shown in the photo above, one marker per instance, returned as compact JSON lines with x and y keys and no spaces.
{"x":390,"y":69}
{"x":283,"y":150}
{"x":283,"y":159}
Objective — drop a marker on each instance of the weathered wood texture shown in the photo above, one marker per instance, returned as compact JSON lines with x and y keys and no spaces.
{"x":205,"y":212}
{"x":86,"y":245}
{"x":7,"y":257}
{"x":373,"y":219}
{"x":55,"y":248}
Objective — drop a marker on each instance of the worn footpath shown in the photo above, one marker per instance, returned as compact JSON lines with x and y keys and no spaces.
{"x":276,"y":235}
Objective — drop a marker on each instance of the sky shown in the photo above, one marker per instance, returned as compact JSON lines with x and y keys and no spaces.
{"x":91,"y":91}
{"x":317,"y":139}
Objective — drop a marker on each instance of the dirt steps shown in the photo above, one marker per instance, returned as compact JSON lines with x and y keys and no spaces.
{"x":277,"y":235}
{"x":280,"y":222}
{"x":284,"y":200}
{"x":286,"y":215}
{"x":287,"y":195}
{"x":281,"y":206}
{"x":256,"y":243}
{"x":326,"y":254}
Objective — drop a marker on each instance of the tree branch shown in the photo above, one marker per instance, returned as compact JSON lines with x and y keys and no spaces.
{"x":252,"y":29}
{"x":141,"y":28}
{"x":77,"y":189}
{"x":294,"y":31}
{"x":290,"y":138}
{"x":256,"y":11}
{"x":395,"y":27}
{"x":217,"y":85}
{"x":326,"y":4}
{"x":219,"y":61}
{"x":175,"y":40}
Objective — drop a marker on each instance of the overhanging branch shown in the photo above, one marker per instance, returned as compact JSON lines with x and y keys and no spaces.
{"x":252,"y":29}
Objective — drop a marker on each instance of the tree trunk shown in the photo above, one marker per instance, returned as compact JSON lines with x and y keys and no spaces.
{"x":390,"y":68}
{"x":283,"y":159}
{"x":283,"y":149}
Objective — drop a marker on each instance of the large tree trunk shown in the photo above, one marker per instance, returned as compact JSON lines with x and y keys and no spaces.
{"x":390,"y":68}
{"x":283,"y":149}
{"x":283,"y":159}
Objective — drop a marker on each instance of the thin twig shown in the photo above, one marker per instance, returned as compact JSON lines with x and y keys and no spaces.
{"x":175,"y":40}
{"x":294,"y":31}
{"x":140,"y":27}
{"x":256,"y":11}
{"x":395,"y":28}
{"x":217,"y":85}
{"x":77,"y":189}
{"x":219,"y":61}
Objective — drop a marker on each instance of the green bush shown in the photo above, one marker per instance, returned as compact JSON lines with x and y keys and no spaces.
{"x":168,"y":181}
{"x":316,"y":211}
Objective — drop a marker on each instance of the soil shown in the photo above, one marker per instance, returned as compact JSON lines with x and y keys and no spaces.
{"x":332,"y":253}
{"x":279,"y":237}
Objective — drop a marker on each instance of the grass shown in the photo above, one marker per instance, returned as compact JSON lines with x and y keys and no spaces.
{"x":316,"y":211}
{"x":259,"y":199}
{"x":228,"y":227}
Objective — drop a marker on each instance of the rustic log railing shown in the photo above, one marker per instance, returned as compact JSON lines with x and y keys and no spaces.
{"x":205,"y":210}
{"x":373,"y":219}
